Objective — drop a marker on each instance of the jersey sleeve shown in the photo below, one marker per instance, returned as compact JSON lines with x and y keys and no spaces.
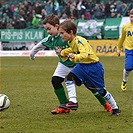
{"x":46,"y":42}
{"x":121,"y":39}
{"x":78,"y":49}
{"x":35,"y":49}
{"x":81,"y":55}
{"x":65,"y":52}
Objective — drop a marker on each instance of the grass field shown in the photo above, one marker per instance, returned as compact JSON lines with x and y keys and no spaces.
{"x":28,"y":85}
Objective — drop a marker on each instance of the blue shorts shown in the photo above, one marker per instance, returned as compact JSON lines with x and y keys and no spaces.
{"x":129,"y":60}
{"x":91,"y":75}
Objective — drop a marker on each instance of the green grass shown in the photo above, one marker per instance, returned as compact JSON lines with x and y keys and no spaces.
{"x":28,"y":85}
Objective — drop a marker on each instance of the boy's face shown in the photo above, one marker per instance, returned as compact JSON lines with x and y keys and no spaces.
{"x":52,"y":30}
{"x":64,"y":35}
{"x":131,"y":19}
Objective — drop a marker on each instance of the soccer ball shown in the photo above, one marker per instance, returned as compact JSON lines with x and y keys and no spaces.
{"x":4,"y":102}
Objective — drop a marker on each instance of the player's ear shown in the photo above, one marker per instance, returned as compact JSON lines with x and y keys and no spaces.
{"x":57,"y":26}
{"x":71,"y":32}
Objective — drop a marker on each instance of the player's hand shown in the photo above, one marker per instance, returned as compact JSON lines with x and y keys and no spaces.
{"x":58,"y":50}
{"x":71,"y":55}
{"x":118,"y":54}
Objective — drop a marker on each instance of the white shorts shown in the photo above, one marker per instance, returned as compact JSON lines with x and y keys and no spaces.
{"x":62,"y":70}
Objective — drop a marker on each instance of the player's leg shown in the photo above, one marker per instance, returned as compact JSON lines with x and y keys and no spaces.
{"x":102,"y":101}
{"x":59,"y":90}
{"x":88,"y":73}
{"x":72,"y":103}
{"x":72,"y":77}
{"x":57,"y":79}
{"x":93,"y":77}
{"x":60,"y":93}
{"x":98,"y":83}
{"x":125,"y":79}
{"x":71,"y":89}
{"x":128,"y":68}
{"x":108,"y":97}
{"x":62,"y":71}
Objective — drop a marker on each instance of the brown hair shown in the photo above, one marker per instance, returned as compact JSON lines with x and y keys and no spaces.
{"x":68,"y":25}
{"x":131,"y":12}
{"x":51,"y":19}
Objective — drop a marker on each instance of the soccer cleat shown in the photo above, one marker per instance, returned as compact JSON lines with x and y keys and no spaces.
{"x":124,"y":85}
{"x":115,"y":112}
{"x":107,"y":107}
{"x":60,"y":111}
{"x":70,"y":105}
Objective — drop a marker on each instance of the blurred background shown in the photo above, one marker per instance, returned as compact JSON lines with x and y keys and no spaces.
{"x":21,"y":21}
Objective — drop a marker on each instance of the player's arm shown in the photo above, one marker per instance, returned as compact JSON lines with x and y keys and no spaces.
{"x":82,"y":54}
{"x":121,"y":41}
{"x":35,"y":49}
{"x":40,"y":46}
{"x":63,"y":53}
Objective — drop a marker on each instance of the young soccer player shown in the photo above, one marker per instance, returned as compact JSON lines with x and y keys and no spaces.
{"x":54,"y":40}
{"x":88,"y":70}
{"x":126,"y":39}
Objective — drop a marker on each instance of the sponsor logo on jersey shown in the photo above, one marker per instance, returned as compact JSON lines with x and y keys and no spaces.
{"x":130,"y":33}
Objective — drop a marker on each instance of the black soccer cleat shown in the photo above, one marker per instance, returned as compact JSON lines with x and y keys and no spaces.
{"x":115,"y":112}
{"x":70,"y":105}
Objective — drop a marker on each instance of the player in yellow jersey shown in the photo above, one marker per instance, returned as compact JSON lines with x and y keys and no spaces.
{"x":126,"y":40}
{"x":88,"y":69}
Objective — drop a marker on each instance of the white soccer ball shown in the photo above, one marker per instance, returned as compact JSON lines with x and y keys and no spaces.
{"x":4,"y":102}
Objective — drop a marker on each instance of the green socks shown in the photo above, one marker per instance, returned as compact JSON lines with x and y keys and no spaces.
{"x":99,"y":97}
{"x":60,"y":93}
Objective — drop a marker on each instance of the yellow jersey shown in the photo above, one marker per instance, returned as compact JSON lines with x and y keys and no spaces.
{"x":126,"y":38}
{"x":82,"y":51}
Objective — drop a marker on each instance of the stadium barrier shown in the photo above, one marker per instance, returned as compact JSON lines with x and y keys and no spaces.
{"x":105,"y":47}
{"x":27,"y":53}
{"x":100,"y":47}
{"x":25,"y":35}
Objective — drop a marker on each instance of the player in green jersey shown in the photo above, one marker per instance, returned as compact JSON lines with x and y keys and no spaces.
{"x":64,"y":66}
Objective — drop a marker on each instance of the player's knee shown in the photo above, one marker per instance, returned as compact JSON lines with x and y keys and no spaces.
{"x":57,"y":82}
{"x":70,"y":76}
{"x":128,"y":70}
{"x":103,"y":93}
{"x":73,"y":77}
